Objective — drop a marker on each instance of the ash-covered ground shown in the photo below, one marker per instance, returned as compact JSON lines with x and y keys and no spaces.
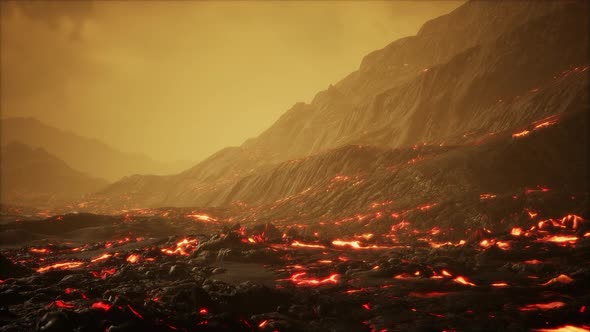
{"x":187,"y":270}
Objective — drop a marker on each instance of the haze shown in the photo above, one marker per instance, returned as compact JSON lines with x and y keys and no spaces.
{"x":180,"y":80}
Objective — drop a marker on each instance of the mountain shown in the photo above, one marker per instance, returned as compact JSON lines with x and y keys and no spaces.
{"x":87,"y":155}
{"x":485,"y":70}
{"x":33,"y":177}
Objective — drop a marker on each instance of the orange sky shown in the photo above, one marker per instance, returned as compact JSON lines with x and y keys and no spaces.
{"x":180,"y":80}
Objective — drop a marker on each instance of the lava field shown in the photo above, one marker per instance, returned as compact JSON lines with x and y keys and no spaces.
{"x":442,"y":186}
{"x":532,"y":274}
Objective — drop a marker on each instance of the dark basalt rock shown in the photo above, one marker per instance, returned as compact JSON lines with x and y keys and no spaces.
{"x":10,"y":270}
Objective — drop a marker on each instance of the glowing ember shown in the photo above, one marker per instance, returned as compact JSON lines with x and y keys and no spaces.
{"x":563,"y":239}
{"x":545,"y":124}
{"x":573,"y":218}
{"x":340,"y":243}
{"x":565,"y":328}
{"x":103,"y":274}
{"x":427,"y":295}
{"x":503,"y":245}
{"x":516,"y":231}
{"x":73,"y":290}
{"x":426,"y":207}
{"x":39,"y":250}
{"x":486,"y":196}
{"x":101,"y":258}
{"x":305,"y":245}
{"x":201,"y":217}
{"x":62,"y":304}
{"x":262,"y":324}
{"x":538,"y":190}
{"x":100,"y":306}
{"x":183,"y":248}
{"x":542,"y":306}
{"x":60,"y":266}
{"x":133,"y":311}
{"x":521,"y":134}
{"x":485,"y":244}
{"x":463,"y":281}
{"x":499,"y":284}
{"x":133,"y":258}
{"x":562,"y":279}
{"x":298,"y":279}
{"x":203,"y":311}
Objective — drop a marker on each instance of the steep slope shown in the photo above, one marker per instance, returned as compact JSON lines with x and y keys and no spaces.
{"x":484,"y":69}
{"x":462,"y":187}
{"x":33,"y":177}
{"x":430,"y":106}
{"x":85,"y":154}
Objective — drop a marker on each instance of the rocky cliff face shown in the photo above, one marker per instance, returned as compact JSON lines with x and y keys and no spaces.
{"x":485,"y":70}
{"x":425,"y":88}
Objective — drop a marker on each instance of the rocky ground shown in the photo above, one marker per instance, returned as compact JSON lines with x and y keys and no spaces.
{"x":529,"y":275}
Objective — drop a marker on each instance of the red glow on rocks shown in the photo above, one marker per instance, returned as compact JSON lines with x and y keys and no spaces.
{"x":101,"y":306}
{"x":520,"y":134}
{"x":183,"y":248}
{"x":39,"y":250}
{"x":560,"y":239}
{"x":565,"y":328}
{"x":60,"y":266}
{"x":201,"y":217}
{"x":73,"y":290}
{"x":299,"y":280}
{"x":426,"y":207}
{"x":544,"y":124}
{"x":203,"y":311}
{"x":103,"y":274}
{"x":539,"y":189}
{"x":133,"y":311}
{"x":62,"y":304}
{"x":306,"y":245}
{"x":486,"y":196}
{"x":561,"y":279}
{"x":542,"y":306}
{"x":427,"y":295}
{"x":133,"y":258}
{"x":353,"y":244}
{"x":463,"y":281}
{"x":101,"y":258}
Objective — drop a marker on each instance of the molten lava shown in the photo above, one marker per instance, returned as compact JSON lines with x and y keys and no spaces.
{"x":60,"y":266}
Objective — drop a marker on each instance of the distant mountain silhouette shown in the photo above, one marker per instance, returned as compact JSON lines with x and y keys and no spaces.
{"x":33,"y":177}
{"x":84,"y":154}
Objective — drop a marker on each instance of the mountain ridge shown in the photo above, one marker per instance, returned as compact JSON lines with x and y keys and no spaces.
{"x":89,"y":155}
{"x":483,"y":84}
{"x":33,"y":177}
